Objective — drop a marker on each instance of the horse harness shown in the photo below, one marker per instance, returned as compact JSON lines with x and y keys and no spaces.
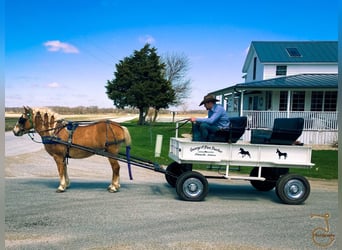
{"x":71,"y":126}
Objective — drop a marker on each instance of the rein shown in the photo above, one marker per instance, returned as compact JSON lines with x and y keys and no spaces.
{"x":31,"y":132}
{"x":31,"y":135}
{"x":178,"y":127}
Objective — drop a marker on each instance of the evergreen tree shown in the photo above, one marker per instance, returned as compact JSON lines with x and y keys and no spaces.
{"x":140,"y":83}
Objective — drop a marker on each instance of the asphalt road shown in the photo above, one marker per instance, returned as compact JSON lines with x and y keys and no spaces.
{"x":146,"y":213}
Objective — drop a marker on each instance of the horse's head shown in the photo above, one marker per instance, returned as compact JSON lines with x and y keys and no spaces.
{"x":25,"y":122}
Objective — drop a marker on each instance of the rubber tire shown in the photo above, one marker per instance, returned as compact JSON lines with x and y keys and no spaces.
{"x":176,"y":169}
{"x":192,"y":186}
{"x":267,"y":184}
{"x":293,"y":189}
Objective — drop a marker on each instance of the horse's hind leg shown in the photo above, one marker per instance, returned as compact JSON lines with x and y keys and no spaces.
{"x":63,"y":175}
{"x":115,"y":185}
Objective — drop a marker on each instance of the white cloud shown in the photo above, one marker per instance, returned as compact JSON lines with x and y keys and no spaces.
{"x":57,"y":45}
{"x":53,"y":85}
{"x":147,"y":39}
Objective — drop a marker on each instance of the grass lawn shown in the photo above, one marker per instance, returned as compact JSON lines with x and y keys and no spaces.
{"x":144,"y":137}
{"x":326,"y":165}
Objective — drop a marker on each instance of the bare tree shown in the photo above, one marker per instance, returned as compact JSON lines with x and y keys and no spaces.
{"x":177,"y":67}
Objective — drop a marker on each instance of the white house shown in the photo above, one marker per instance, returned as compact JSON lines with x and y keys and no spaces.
{"x":288,"y":79}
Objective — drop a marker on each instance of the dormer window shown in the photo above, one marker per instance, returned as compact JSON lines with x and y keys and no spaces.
{"x":293,"y":52}
{"x":281,"y":70}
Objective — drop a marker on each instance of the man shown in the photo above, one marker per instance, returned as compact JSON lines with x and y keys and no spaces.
{"x":204,"y":128}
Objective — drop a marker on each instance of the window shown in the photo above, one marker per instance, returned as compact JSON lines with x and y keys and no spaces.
{"x":236,"y":104}
{"x":293,"y":52}
{"x":316,"y":101}
{"x":283,"y":101}
{"x":254,"y":68}
{"x":330,"y":101}
{"x":250,"y":103}
{"x":323,"y":101}
{"x":281,"y":70}
{"x":268,"y":102}
{"x":255,"y":102}
{"x":298,"y":100}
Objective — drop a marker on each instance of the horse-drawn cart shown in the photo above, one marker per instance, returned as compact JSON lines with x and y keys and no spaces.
{"x":270,"y":158}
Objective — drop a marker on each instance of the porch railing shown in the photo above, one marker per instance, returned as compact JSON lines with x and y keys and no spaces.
{"x":313,"y":120}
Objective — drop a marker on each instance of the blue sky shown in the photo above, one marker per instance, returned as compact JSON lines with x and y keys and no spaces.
{"x":62,"y":52}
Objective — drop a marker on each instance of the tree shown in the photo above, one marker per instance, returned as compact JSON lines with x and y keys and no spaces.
{"x":177,"y":67}
{"x":140,"y":83}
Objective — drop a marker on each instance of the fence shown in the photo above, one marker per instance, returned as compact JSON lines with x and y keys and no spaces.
{"x":319,"y":127}
{"x":312,"y":120}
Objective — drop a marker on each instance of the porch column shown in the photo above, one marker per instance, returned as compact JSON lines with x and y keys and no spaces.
{"x":241,"y":103}
{"x":222,"y":100}
{"x":288,"y":108}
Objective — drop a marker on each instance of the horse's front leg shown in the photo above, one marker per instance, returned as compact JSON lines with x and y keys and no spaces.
{"x":115,"y":185}
{"x":63,"y":175}
{"x":66,"y":176}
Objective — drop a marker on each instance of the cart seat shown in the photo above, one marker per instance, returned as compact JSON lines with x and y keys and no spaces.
{"x":285,"y":132}
{"x":234,"y":132}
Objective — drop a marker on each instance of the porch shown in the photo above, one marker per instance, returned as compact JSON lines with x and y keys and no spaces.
{"x":319,"y":127}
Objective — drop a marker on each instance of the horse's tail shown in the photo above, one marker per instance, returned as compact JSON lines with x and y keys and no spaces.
{"x":128,"y":139}
{"x":128,"y":142}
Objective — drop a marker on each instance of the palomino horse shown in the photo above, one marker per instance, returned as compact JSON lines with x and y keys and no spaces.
{"x":100,"y":135}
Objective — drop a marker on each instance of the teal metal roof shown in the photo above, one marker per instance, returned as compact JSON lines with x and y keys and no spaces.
{"x":308,"y":51}
{"x":303,"y":81}
{"x":280,"y":52}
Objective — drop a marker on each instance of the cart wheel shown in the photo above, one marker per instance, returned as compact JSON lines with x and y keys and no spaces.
{"x":267,"y":184}
{"x":192,"y":186}
{"x":293,"y":189}
{"x":175,"y":169}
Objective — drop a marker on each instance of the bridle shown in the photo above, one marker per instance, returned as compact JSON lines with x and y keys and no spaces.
{"x":22,"y":120}
{"x":28,"y":116}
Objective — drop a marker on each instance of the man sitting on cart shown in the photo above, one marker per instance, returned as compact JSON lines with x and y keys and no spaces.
{"x":204,"y":129}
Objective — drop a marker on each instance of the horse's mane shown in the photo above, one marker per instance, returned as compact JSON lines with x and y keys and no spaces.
{"x":47,"y":111}
{"x":45,"y":117}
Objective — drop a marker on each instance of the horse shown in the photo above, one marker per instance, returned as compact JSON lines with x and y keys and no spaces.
{"x":244,"y":153}
{"x":280,"y":154}
{"x":100,"y":135}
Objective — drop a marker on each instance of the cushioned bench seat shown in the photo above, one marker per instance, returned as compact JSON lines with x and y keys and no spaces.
{"x":285,"y":132}
{"x":234,"y":132}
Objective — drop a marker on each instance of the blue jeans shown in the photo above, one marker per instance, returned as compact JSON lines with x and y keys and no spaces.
{"x":202,"y":131}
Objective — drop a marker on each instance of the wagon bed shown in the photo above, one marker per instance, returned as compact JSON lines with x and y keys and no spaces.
{"x":183,"y":150}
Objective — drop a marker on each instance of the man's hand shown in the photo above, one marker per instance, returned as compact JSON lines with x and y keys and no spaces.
{"x":192,"y":119}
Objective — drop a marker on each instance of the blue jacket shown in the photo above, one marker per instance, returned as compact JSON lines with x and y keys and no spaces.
{"x":217,"y":116}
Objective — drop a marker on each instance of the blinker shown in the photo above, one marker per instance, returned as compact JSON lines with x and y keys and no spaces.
{"x":22,"y":120}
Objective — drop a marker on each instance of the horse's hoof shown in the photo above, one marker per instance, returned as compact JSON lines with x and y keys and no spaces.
{"x":60,"y":190}
{"x":112,"y":189}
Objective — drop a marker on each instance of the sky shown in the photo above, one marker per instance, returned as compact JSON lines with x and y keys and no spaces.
{"x":62,"y":52}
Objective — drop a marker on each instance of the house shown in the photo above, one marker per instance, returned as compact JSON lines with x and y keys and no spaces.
{"x":288,"y":79}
